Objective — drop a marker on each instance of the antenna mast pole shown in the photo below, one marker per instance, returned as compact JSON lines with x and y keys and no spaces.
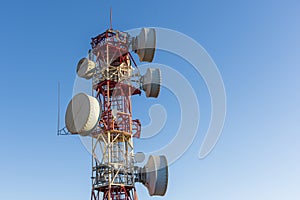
{"x":110,"y":19}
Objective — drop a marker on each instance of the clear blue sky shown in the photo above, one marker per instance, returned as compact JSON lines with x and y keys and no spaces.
{"x":256,"y":46}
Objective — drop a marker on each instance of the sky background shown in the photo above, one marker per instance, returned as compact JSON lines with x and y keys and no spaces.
{"x":256,"y":46}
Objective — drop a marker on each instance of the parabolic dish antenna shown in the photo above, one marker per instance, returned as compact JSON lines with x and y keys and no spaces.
{"x":82,"y":114}
{"x":139,"y":157}
{"x":145,"y":44}
{"x":151,"y":82}
{"x":86,"y":68}
{"x":155,"y":175}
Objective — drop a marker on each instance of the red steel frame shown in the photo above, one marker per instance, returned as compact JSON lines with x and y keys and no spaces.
{"x":111,"y":46}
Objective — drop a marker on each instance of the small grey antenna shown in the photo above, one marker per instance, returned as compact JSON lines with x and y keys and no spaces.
{"x":110,"y":19}
{"x":58,"y":107}
{"x":60,"y":131}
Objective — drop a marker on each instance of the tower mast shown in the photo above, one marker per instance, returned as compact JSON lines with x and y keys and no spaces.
{"x":113,"y":173}
{"x":107,"y":115}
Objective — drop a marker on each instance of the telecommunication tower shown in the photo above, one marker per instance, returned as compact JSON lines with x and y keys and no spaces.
{"x":106,"y":116}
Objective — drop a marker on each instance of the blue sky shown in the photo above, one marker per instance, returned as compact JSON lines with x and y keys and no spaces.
{"x":256,"y":46}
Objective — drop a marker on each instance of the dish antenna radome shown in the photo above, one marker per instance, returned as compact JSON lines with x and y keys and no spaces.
{"x":86,"y":68}
{"x":144,"y":44}
{"x":82,"y":114}
{"x":154,"y":175}
{"x":151,"y":82}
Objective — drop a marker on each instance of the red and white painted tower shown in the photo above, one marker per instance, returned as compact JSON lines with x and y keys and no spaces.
{"x":106,"y":116}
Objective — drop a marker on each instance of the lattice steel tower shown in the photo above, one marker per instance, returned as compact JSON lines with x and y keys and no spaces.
{"x":107,"y":115}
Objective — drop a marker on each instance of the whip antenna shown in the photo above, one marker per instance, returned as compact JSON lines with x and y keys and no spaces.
{"x":110,"y":18}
